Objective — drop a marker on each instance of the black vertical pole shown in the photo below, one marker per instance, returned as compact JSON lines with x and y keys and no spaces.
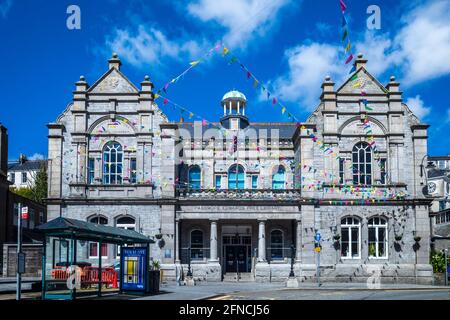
{"x":100,"y":269}
{"x":121,"y":271}
{"x":291,"y":274}
{"x":74,"y":263}
{"x":189,"y":273}
{"x":44,"y":261}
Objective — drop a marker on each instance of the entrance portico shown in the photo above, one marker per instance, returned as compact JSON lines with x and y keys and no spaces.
{"x":221,"y":249}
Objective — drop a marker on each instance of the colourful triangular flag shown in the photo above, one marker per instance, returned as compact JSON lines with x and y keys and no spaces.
{"x":225,"y":51}
{"x":194,"y":63}
{"x":349,"y":59}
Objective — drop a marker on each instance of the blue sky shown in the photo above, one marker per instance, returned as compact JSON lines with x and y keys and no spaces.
{"x":289,"y":45}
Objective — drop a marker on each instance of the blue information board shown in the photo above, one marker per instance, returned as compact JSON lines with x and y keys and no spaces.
{"x":134,"y":264}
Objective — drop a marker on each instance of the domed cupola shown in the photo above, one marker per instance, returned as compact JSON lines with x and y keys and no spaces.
{"x":234,"y":104}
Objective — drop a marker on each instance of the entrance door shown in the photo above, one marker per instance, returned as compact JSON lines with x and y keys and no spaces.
{"x":236,"y":259}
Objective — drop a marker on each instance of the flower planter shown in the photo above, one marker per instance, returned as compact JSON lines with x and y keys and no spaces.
{"x":158,"y":236}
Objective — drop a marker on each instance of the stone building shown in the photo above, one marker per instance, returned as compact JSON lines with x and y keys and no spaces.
{"x":238,"y":199}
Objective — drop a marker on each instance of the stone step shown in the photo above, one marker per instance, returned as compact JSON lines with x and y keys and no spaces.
{"x":243,"y":277}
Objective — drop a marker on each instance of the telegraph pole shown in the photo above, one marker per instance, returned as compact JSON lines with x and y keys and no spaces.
{"x":19,"y":250}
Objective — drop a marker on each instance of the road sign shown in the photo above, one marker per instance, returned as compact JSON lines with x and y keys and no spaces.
{"x":318,"y":236}
{"x":24,"y":213}
{"x":21,"y":262}
{"x":317,"y":249}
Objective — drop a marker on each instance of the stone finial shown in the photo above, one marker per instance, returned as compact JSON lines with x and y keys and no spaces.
{"x":327,"y":78}
{"x":147,"y":85}
{"x":392,"y":78}
{"x":360,"y":61}
{"x":82,"y":79}
{"x":114,"y":62}
{"x":81,"y":84}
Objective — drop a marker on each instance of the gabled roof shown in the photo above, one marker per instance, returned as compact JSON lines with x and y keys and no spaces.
{"x":362,"y":69}
{"x":83,"y":230}
{"x":107,"y":73}
{"x":26,"y":166}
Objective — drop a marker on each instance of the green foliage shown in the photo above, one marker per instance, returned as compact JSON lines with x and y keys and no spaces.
{"x":24,"y":192}
{"x":372,"y":251}
{"x":40,"y":185}
{"x":156,"y":265}
{"x":437,"y":260}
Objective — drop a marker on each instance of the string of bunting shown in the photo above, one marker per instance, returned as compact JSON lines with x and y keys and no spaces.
{"x":345,"y":35}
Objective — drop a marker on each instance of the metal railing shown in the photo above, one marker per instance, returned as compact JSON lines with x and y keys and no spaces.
{"x":194,"y":255}
{"x":288,"y":194}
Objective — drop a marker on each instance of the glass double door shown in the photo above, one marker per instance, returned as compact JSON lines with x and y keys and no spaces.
{"x":237,"y":258}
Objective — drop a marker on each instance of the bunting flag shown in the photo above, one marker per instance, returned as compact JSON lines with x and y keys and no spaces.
{"x":165,"y":101}
{"x":345,"y":38}
{"x":194,"y":63}
{"x":225,"y":51}
{"x":274,"y":100}
{"x":350,"y":58}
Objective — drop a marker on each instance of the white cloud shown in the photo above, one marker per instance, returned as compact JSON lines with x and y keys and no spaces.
{"x":417,"y":107}
{"x":448,"y":115}
{"x":37,"y":156}
{"x":150,"y":45}
{"x":242,"y":19}
{"x":5,"y":6}
{"x":308,"y":66}
{"x":424,"y":42}
{"x":419,"y":51}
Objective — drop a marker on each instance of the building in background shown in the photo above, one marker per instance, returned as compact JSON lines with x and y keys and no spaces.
{"x":238,"y":199}
{"x":9,"y":212}
{"x":439,"y":191}
{"x":22,"y":173}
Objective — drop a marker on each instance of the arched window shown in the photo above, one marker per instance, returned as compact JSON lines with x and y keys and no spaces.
{"x":351,"y":238}
{"x":236,"y":177}
{"x":378,"y":244}
{"x":362,"y":163}
{"x":127,"y":223}
{"x":197,"y":245}
{"x":278,"y":178}
{"x":112,"y":163}
{"x":194,"y":176}
{"x":276,"y":245}
{"x":93,"y":246}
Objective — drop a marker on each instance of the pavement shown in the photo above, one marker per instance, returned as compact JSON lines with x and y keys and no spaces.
{"x":267,"y":291}
{"x":306,"y":291}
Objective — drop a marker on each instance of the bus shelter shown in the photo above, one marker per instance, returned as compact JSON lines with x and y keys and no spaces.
{"x":72,"y":257}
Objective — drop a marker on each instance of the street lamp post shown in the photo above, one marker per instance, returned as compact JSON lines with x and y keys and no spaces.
{"x":291,"y":274}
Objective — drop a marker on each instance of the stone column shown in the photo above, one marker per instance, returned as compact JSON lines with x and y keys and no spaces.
{"x":213,"y":242}
{"x":298,"y":241}
{"x":262,"y":242}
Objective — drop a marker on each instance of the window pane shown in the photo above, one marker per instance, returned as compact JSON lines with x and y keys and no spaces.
{"x":344,"y":234}
{"x":372,"y":235}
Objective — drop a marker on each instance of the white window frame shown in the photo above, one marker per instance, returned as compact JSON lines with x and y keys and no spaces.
{"x":367,"y":150}
{"x":281,"y":248}
{"x":348,"y":227}
{"x":234,"y":124}
{"x":98,"y":248}
{"x":98,"y":243}
{"x":126,"y":226}
{"x":108,"y":149}
{"x":377,"y":227}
